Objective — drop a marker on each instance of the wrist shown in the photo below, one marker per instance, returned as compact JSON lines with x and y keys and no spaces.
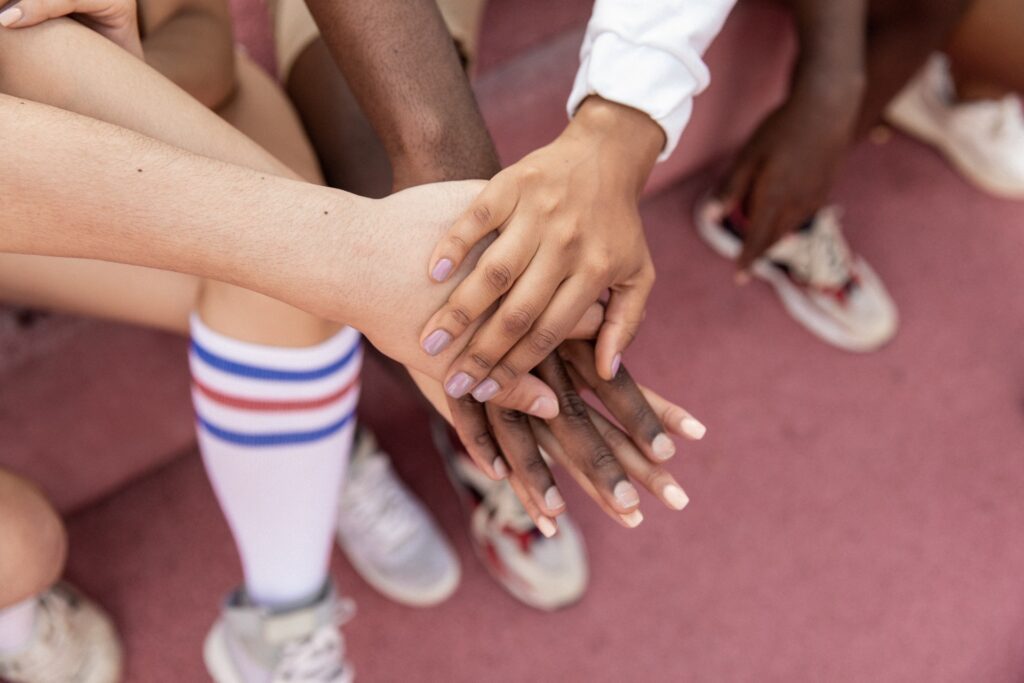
{"x":630,"y":137}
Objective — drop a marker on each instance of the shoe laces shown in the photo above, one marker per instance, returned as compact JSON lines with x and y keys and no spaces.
{"x":54,"y":653}
{"x":320,"y":656}
{"x":818,"y":256}
{"x":377,"y":505}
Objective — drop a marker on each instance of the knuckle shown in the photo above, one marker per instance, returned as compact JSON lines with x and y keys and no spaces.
{"x":573,"y":407}
{"x":603,"y":459}
{"x":599,"y":266}
{"x":482,"y":215}
{"x":482,"y":438}
{"x":511,"y":417}
{"x":570,"y":240}
{"x":458,"y":244}
{"x":529,"y":173}
{"x":543,"y":341}
{"x":459,"y":315}
{"x":535,"y":466}
{"x":480,"y":360}
{"x":498,"y":276}
{"x":509,"y":370}
{"x":517,"y":323}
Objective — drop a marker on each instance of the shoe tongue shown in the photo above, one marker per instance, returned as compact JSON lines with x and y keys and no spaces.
{"x":817,"y":254}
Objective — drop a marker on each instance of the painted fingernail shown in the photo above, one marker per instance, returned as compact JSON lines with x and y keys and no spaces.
{"x":616,"y":364}
{"x":544,"y":408}
{"x":442,"y":269}
{"x":553,"y":499}
{"x":693,"y":428}
{"x":626,"y":495}
{"x":486,"y":391}
{"x":458,"y":385}
{"x":436,"y":342}
{"x":547,"y":527}
{"x":499,"y":467}
{"x":11,"y":16}
{"x":633,"y":519}
{"x":675,"y":496}
{"x":663,"y":447}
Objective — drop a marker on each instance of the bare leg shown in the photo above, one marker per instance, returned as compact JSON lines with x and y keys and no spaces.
{"x":987,"y":50}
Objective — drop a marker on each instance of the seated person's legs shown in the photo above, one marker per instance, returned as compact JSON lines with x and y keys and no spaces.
{"x":47,"y":631}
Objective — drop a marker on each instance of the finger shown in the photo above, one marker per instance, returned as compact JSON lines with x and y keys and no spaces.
{"x":530,"y":395}
{"x":512,"y":431}
{"x":486,"y":213}
{"x":31,"y":12}
{"x":512,"y":321}
{"x":675,"y":419}
{"x":495,"y":273}
{"x":567,"y":306}
{"x":622,"y":319}
{"x":470,"y":422}
{"x":587,"y":452}
{"x":759,"y":235}
{"x":550,"y":445}
{"x":735,"y":185}
{"x":590,"y":323}
{"x":547,"y":526}
{"x":624,"y":400}
{"x":654,"y":478}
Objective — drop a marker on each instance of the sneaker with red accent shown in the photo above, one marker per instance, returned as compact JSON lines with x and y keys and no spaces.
{"x":828,"y":289}
{"x":545,"y":573}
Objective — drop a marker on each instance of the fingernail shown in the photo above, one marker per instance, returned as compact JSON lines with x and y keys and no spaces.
{"x":547,"y":527}
{"x":693,"y":428}
{"x":442,"y":269}
{"x":616,"y":364}
{"x":675,"y":496}
{"x":663,"y":447}
{"x":486,"y":391}
{"x":633,"y":519}
{"x":499,"y":467}
{"x":12,"y":16}
{"x":458,"y":385}
{"x":741,"y":278}
{"x":544,"y":408}
{"x":626,"y":495}
{"x":553,"y":499}
{"x":436,"y":342}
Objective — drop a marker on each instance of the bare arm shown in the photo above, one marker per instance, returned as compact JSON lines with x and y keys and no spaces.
{"x":403,"y":68}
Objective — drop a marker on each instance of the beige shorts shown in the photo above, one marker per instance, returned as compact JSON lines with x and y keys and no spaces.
{"x":294,"y":29}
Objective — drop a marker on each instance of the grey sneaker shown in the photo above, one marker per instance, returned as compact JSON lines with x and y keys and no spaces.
{"x":74,"y":642}
{"x":389,"y":536}
{"x":251,"y":644}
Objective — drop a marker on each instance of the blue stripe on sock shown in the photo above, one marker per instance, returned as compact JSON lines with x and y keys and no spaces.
{"x":280,"y":439}
{"x":256,"y":372}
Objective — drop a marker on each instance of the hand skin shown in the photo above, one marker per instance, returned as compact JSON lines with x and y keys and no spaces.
{"x":569,"y":228}
{"x":116,"y":20}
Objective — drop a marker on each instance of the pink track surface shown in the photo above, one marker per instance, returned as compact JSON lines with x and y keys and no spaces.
{"x":854,"y":518}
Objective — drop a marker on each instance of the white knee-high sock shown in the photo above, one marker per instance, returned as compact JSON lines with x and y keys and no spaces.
{"x":275,"y":429}
{"x":17,"y":624}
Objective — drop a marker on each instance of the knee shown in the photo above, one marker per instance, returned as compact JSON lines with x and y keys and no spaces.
{"x":33,"y":542}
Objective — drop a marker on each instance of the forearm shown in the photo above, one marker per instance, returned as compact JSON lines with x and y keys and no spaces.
{"x":194,"y":49}
{"x":403,"y":68}
{"x":832,"y":38}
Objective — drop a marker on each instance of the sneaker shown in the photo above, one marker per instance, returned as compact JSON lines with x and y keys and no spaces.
{"x":545,"y":573}
{"x":828,"y":289}
{"x":74,"y":642}
{"x":389,"y":536}
{"x":984,"y":140}
{"x":251,"y":644}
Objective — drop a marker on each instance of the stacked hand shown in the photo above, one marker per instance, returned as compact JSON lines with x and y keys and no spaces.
{"x":116,"y":20}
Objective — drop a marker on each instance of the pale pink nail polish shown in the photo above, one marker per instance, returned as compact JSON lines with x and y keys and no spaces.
{"x":500,"y":468}
{"x":442,"y":269}
{"x":11,"y":16}
{"x":616,"y":364}
{"x":458,"y":385}
{"x":436,"y":342}
{"x":663,"y":447}
{"x":626,"y":495}
{"x":547,"y":527}
{"x":553,"y":499}
{"x":543,"y":408}
{"x":486,"y":391}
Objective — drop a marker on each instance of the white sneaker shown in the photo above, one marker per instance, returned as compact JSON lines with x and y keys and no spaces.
{"x":545,"y":573}
{"x":250,"y":644}
{"x":829,"y":290}
{"x":984,"y":140}
{"x":74,"y":642}
{"x":389,"y":536}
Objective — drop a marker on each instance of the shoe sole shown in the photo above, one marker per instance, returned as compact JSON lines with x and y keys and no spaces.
{"x":908,"y":113}
{"x":393,"y":591}
{"x":792,"y":298}
{"x":222,"y":669}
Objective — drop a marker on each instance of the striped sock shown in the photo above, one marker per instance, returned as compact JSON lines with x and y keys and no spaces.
{"x":275,"y":430}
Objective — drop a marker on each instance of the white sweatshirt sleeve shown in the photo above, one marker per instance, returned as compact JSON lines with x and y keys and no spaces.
{"x":647,"y":54}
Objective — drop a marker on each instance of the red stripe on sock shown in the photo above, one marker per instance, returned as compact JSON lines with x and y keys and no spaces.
{"x":262,"y":404}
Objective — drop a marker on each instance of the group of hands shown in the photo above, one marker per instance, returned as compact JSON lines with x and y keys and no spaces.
{"x":546,"y":274}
